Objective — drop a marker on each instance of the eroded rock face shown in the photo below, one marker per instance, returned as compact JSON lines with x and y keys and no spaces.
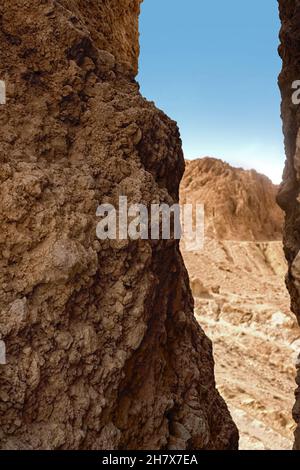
{"x":102,"y":346}
{"x":290,"y":189}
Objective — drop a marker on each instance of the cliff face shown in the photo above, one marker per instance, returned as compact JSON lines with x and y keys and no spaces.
{"x":239,"y":204}
{"x":289,"y":192}
{"x":103,"y":351}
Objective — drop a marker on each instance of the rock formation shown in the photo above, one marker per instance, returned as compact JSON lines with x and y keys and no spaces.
{"x":241,"y":300}
{"x":288,"y":197}
{"x":239,"y":204}
{"x":103,"y":350}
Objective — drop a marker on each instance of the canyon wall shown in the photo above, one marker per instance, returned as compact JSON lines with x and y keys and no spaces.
{"x":103,"y":350}
{"x":288,"y":197}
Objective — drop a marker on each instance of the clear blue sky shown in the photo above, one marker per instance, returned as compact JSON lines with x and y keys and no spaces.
{"x":213,"y":66}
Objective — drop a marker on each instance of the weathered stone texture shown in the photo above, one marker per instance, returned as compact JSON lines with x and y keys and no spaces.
{"x":290,"y":189}
{"x":103,"y":349}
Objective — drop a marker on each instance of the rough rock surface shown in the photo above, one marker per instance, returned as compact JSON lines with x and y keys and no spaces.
{"x":233,"y":200}
{"x":103,"y":349}
{"x":241,"y":299}
{"x":290,"y":189}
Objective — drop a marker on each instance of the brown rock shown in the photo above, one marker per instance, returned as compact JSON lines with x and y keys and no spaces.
{"x":103,"y":349}
{"x":288,"y":196}
{"x":239,"y":204}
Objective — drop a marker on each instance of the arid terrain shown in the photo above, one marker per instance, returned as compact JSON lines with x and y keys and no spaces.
{"x":241,"y":299}
{"x":103,"y":350}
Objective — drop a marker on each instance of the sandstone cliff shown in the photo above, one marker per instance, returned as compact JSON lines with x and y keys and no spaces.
{"x":103,"y":349}
{"x":288,"y":196}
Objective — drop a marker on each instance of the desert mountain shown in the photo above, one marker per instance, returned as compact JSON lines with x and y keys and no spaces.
{"x":241,"y":299}
{"x":239,"y":204}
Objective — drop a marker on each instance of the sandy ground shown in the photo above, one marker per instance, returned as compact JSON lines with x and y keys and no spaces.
{"x":242,"y":304}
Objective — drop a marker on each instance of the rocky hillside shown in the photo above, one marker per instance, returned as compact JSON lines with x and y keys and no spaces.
{"x":239,"y":204}
{"x":241,"y":299}
{"x":103,"y":350}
